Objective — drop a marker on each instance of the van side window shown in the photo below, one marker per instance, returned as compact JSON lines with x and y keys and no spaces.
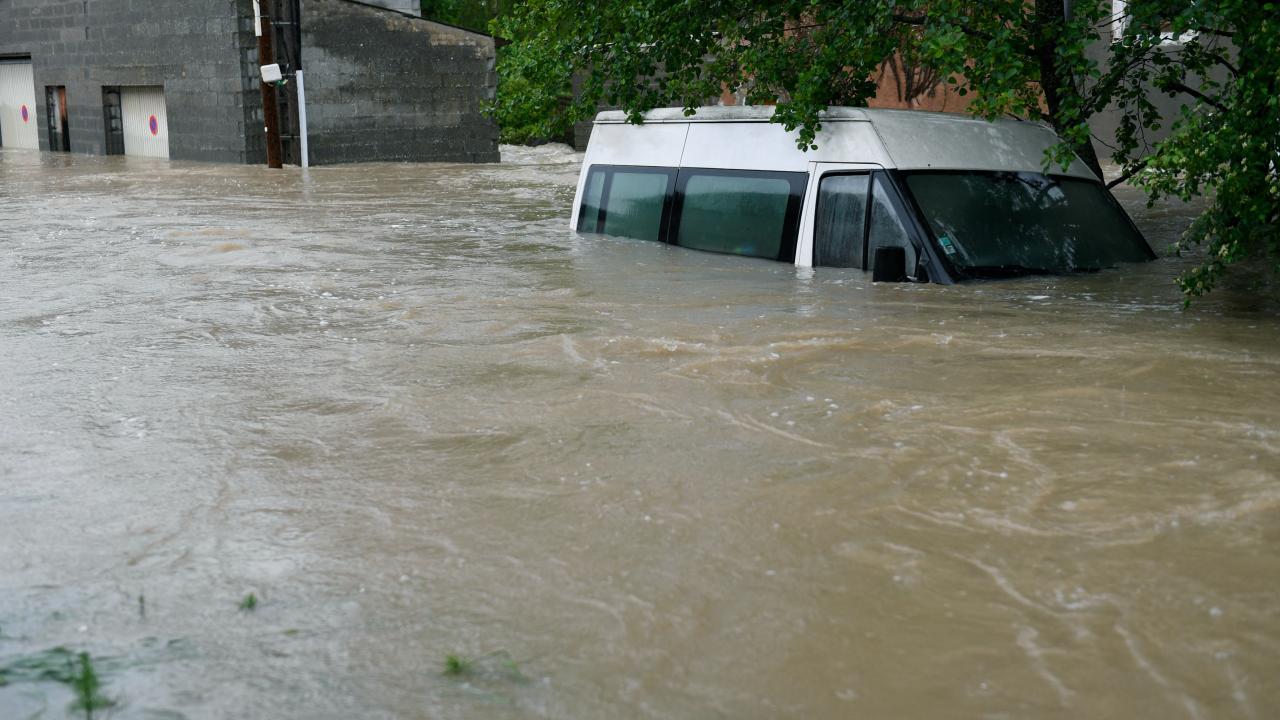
{"x":886,"y":228}
{"x":839,"y":236}
{"x":633,"y":207}
{"x":740,"y":212}
{"x":629,"y":202}
{"x":589,"y":215}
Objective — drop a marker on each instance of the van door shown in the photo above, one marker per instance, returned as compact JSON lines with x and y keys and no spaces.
{"x":817,"y":173}
{"x":853,"y":209}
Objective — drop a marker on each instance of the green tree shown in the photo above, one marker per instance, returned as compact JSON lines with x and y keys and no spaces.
{"x":517,"y":122}
{"x":1225,"y":144}
{"x":472,"y":14}
{"x":1023,"y":58}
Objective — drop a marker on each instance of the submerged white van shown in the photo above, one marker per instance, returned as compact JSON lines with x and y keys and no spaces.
{"x":904,"y":195}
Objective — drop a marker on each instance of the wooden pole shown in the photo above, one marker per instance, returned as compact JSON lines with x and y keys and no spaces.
{"x":270,"y":106}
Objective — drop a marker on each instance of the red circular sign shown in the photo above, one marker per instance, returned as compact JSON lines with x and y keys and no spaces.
{"x":155,"y":125}
{"x":25,"y":114}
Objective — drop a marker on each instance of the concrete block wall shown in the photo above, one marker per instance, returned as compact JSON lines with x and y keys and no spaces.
{"x":383,"y":85}
{"x":195,"y":49}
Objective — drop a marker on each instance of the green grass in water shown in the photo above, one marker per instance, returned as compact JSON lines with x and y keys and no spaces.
{"x":249,"y":603}
{"x":88,"y":688}
{"x":497,"y":666}
{"x":55,"y":665}
{"x":62,"y":666}
{"x":456,"y":666}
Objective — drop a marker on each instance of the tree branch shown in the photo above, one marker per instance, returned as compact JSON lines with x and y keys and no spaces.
{"x":1129,"y":173}
{"x":922,"y":20}
{"x":1222,"y":60}
{"x":1100,"y":94}
{"x":1179,"y":87}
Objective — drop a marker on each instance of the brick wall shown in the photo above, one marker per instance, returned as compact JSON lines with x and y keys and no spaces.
{"x":195,"y":49}
{"x":385,"y":86}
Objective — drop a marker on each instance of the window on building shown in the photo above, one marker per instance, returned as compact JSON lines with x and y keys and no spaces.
{"x":1121,"y":18}
{"x":114,"y":120}
{"x":56,"y":117}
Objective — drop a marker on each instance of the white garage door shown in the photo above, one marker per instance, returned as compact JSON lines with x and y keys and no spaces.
{"x":146,"y":127}
{"x":18,"y":106}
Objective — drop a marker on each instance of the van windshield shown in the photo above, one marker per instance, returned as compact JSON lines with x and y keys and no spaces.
{"x":997,"y":224}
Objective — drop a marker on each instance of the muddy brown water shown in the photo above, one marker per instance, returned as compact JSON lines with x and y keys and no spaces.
{"x":416,"y":417}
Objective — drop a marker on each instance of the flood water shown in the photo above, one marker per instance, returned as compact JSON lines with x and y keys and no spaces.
{"x":415,"y":417}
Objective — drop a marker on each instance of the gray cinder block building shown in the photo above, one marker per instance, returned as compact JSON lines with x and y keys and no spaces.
{"x":180,"y":79}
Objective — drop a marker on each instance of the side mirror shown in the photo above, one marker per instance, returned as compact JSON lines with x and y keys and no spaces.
{"x":889,"y":265}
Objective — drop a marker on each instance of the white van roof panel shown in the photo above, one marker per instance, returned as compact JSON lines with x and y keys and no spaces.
{"x":723,"y":113}
{"x":765,"y":146}
{"x":947,"y":141}
{"x":908,"y":139}
{"x":651,"y":144}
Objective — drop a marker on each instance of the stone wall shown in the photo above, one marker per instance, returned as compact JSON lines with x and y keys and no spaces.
{"x":386,"y":86}
{"x":199,"y":50}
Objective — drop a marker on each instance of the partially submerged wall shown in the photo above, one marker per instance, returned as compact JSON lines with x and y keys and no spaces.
{"x":383,"y":85}
{"x":195,"y":49}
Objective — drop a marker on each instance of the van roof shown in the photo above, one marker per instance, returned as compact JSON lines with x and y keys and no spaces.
{"x":913,"y":139}
{"x":732,"y":113}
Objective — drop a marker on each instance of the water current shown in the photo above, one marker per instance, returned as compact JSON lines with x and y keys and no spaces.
{"x":416,"y":417}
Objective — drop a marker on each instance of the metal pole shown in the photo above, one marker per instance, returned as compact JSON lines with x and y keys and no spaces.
{"x":270,"y":108}
{"x":302,"y":119}
{"x":295,"y":12}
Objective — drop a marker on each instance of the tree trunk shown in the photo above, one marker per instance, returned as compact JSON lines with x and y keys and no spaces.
{"x":1049,"y":15}
{"x":1090,"y":158}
